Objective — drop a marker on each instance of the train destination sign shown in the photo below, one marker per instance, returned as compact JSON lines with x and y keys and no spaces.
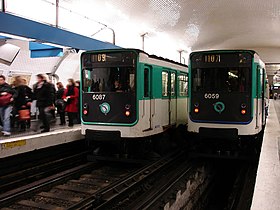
{"x":231,"y":59}
{"x":113,"y":58}
{"x":103,"y":57}
{"x":213,"y":58}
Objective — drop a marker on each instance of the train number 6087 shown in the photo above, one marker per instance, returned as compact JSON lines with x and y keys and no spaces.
{"x":98,"y":97}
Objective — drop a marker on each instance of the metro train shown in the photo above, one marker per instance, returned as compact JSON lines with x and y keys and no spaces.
{"x":127,"y":94}
{"x":228,"y":96}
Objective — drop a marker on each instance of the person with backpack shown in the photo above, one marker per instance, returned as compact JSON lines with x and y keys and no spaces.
{"x":7,"y":96}
{"x":23,"y":102}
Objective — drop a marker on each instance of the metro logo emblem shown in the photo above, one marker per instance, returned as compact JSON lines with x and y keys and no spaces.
{"x":219,"y":107}
{"x":105,"y":108}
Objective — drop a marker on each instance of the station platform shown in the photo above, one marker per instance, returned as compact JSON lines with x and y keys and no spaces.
{"x":23,"y":142}
{"x":267,"y":187}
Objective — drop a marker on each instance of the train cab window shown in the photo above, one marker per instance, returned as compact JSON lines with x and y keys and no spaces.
{"x":109,"y":79}
{"x":146,"y":83}
{"x":173,"y":84}
{"x":164,"y":83}
{"x":221,"y":79}
{"x":183,"y":85}
{"x":86,"y":80}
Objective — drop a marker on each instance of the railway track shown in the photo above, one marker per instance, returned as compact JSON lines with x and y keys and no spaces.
{"x":36,"y":172}
{"x":172,"y":182}
{"x":92,"y":185}
{"x":65,"y":189}
{"x":180,"y":188}
{"x":232,"y":186}
{"x":243,"y":189}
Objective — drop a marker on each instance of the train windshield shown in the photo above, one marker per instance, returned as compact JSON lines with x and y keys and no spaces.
{"x":109,"y":71}
{"x":109,"y":79}
{"x":235,"y":79}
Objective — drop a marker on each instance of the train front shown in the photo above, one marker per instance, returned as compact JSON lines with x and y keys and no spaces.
{"x":220,"y":99}
{"x":108,"y":102}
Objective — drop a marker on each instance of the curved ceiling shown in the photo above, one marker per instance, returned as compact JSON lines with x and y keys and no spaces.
{"x":202,"y":24}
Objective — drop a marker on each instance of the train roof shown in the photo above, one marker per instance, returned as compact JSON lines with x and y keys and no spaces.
{"x":225,"y":50}
{"x":141,"y":51}
{"x":164,"y":59}
{"x":253,"y":52}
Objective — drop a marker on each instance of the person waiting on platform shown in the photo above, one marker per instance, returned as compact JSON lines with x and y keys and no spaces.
{"x":59,"y":102}
{"x":52,"y":111}
{"x":44,"y":94}
{"x":23,"y":102}
{"x":275,"y":96}
{"x":7,"y":96}
{"x":71,"y":95}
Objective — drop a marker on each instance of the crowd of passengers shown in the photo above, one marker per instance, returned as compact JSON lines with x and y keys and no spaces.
{"x":16,"y":100}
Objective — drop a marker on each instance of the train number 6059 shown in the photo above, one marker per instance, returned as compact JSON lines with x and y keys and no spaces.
{"x":211,"y":96}
{"x":98,"y":97}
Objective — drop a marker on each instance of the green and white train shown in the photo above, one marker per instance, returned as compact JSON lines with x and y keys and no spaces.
{"x":128,"y":94}
{"x":228,"y":94}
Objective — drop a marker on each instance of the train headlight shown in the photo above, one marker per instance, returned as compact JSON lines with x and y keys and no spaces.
{"x":196,"y":108}
{"x":243,"y":111}
{"x":85,"y":109}
{"x":127,"y":113}
{"x":127,"y":110}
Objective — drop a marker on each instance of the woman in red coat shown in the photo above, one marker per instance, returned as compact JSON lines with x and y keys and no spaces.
{"x":70,"y":96}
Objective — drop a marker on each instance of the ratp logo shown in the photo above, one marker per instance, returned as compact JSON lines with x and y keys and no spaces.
{"x":105,"y":108}
{"x":219,"y":107}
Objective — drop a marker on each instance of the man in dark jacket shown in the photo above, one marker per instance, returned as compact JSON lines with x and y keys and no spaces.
{"x":7,"y":96}
{"x":44,"y":94}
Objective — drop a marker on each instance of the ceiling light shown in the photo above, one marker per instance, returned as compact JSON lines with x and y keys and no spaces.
{"x":53,"y":45}
{"x":16,"y":37}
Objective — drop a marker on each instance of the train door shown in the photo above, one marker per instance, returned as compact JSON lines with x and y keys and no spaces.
{"x":172,"y":98}
{"x":257,"y":96}
{"x":147,"y":100}
{"x":263,"y":86}
{"x":169,"y":96}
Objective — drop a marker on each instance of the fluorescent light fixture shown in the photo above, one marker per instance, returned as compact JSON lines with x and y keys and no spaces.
{"x":53,"y":45}
{"x":16,"y":37}
{"x":8,"y":53}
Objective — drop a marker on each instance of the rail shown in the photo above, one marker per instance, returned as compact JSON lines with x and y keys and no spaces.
{"x":87,"y":186}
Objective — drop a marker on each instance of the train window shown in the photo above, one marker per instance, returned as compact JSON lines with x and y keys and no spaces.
{"x":221,"y":79}
{"x":146,"y":83}
{"x":110,"y":79}
{"x":173,"y":84}
{"x":86,"y":80}
{"x":183,"y":85}
{"x":164,"y":83}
